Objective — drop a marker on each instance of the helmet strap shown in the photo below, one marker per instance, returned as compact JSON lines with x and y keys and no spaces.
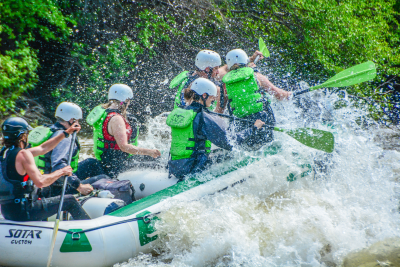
{"x":204,"y":100}
{"x":209,"y":73}
{"x":25,"y":143}
{"x":70,"y":124}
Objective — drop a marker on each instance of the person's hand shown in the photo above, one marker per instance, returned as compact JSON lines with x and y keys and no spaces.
{"x":85,"y":189}
{"x":259,"y":124}
{"x":253,"y":57}
{"x":75,"y":127}
{"x":154,"y":153}
{"x":66,"y":171}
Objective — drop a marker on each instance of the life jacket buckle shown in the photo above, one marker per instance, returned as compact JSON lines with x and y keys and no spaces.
{"x":19,"y":200}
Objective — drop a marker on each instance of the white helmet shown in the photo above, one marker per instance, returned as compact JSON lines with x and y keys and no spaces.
{"x":207,"y":58}
{"x":203,"y":85}
{"x":236,"y":56}
{"x":68,"y":110}
{"x":120,"y":92}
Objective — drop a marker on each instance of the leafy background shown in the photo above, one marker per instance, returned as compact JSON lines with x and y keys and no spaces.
{"x":58,"y":50}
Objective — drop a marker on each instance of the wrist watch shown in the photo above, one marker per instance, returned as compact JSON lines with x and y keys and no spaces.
{"x":66,"y":134}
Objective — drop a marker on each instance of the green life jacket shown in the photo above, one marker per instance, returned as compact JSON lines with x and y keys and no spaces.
{"x":181,"y":81}
{"x":38,"y":136}
{"x":96,"y":119}
{"x":183,"y":142}
{"x":242,"y":90}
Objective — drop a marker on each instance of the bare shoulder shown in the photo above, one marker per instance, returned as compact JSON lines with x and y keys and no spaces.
{"x":116,"y":120}
{"x":116,"y":124}
{"x":222,"y":71}
{"x":24,"y":155}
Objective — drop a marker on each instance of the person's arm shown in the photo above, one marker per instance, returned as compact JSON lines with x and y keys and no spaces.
{"x":53,"y":142}
{"x":213,"y":128}
{"x":60,"y":155}
{"x":253,"y":57}
{"x":222,"y":71}
{"x":280,"y":94}
{"x":220,"y":109}
{"x":25,"y":159}
{"x":117,"y":129}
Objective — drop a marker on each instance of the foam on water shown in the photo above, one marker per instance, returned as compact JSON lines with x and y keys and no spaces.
{"x":349,"y":202}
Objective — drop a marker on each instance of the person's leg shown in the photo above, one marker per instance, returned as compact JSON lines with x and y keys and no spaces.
{"x":113,"y":162}
{"x":44,"y":208}
{"x":88,"y":168}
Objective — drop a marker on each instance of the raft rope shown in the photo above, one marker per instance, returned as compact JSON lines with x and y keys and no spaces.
{"x":146,"y":219}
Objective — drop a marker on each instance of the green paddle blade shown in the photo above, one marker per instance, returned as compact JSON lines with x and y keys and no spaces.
{"x":263,"y":48}
{"x":359,"y":73}
{"x":314,"y":138}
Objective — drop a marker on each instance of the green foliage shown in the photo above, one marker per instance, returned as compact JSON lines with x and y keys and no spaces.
{"x":21,"y":22}
{"x":113,"y":62}
{"x":154,"y":28}
{"x":331,"y":33}
{"x":308,"y":39}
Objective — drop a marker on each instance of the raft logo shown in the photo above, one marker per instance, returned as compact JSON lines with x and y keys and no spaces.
{"x":23,"y":237}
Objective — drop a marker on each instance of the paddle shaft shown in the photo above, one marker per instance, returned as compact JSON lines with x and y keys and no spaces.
{"x":66,"y":177}
{"x":314,"y":138}
{"x":57,"y":222}
{"x":234,"y":118}
{"x":296,"y":93}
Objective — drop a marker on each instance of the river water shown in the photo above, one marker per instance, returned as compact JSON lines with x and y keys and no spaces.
{"x":350,"y":201}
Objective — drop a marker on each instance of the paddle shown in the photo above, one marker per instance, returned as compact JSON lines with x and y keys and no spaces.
{"x":359,"y":73}
{"x":314,"y":138}
{"x":263,"y":49}
{"x":57,"y":222}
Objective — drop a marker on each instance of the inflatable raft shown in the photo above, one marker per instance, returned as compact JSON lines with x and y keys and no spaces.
{"x":108,"y":239}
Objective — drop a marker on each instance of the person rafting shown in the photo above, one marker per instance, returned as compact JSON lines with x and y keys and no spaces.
{"x":20,"y":178}
{"x":84,"y":173}
{"x":207,"y":64}
{"x":246,"y":91}
{"x":194,"y":128}
{"x":115,"y":139}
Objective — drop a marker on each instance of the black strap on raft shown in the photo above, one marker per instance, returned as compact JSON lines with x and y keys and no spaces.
{"x":146,"y":219}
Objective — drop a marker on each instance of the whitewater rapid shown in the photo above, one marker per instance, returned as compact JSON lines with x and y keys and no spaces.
{"x":349,"y":201}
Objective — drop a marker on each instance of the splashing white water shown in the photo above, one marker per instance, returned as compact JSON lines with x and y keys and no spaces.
{"x":349,"y":202}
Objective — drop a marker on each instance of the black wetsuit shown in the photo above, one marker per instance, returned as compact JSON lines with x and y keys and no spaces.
{"x":36,"y":209}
